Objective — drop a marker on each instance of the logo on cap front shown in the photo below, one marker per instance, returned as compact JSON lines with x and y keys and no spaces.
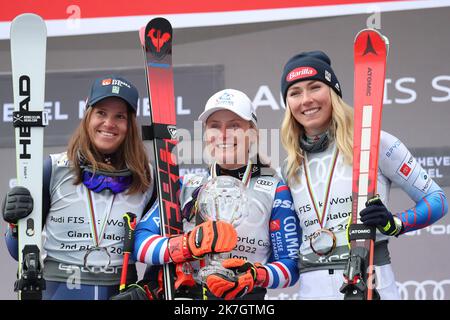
{"x":225,"y":99}
{"x":300,"y":73}
{"x":106,"y":82}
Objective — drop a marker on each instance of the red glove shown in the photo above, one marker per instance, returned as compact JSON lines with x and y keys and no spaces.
{"x":248,"y":276}
{"x":208,"y":237}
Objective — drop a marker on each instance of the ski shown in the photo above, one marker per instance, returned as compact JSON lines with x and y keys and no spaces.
{"x":156,"y":41}
{"x":28,"y":51}
{"x":370,"y":50}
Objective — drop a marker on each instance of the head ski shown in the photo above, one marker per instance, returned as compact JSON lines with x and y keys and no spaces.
{"x":28,"y":51}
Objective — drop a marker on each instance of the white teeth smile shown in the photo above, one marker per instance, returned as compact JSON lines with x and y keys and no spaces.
{"x":108,"y":134}
{"x":311,"y":111}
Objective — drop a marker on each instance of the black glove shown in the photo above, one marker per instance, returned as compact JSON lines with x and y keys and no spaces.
{"x":18,"y":204}
{"x":376,"y":214}
{"x":141,"y":290}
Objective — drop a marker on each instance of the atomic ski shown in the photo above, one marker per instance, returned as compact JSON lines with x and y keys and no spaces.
{"x":28,"y":50}
{"x":156,"y":40}
{"x":370,"y":50}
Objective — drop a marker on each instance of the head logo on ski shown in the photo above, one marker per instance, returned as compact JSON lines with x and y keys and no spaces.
{"x":28,"y":36}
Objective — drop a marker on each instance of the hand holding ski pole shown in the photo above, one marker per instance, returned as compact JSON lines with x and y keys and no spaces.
{"x":128,"y":243}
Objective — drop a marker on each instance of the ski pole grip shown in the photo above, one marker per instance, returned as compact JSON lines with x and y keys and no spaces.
{"x":130,"y":225}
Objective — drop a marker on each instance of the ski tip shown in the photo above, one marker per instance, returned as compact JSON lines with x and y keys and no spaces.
{"x":367,"y":31}
{"x":160,"y":21}
{"x":28,"y":21}
{"x":158,"y":38}
{"x":31,"y":17}
{"x":370,"y":41}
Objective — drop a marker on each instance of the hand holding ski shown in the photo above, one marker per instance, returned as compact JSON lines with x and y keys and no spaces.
{"x":370,"y":64}
{"x":28,"y":50}
{"x":376,"y":214}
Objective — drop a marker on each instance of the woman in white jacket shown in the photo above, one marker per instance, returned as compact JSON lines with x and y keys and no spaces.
{"x":317,"y":133}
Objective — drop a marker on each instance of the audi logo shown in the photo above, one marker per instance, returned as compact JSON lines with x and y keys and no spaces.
{"x":264,"y":183}
{"x":425,"y":290}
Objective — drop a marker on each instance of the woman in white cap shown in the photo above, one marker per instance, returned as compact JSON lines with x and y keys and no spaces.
{"x":87,"y":189}
{"x":317,"y":133}
{"x":264,"y":246}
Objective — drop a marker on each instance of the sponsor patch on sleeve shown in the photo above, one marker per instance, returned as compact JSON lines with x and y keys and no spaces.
{"x":263,"y":185}
{"x":423,"y":181}
{"x":157,"y":221}
{"x":274,"y":225}
{"x":407,"y":166}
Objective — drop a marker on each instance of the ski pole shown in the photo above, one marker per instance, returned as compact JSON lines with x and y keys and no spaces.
{"x":128,"y":243}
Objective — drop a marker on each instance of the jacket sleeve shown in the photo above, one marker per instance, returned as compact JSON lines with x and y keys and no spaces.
{"x":399,"y":166}
{"x":285,"y":235}
{"x":149,"y":246}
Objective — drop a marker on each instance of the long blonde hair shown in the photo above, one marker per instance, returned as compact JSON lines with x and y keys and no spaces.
{"x":131,"y":153}
{"x":341,"y":129}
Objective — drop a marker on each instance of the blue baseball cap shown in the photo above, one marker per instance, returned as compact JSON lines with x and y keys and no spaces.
{"x":114,"y":86}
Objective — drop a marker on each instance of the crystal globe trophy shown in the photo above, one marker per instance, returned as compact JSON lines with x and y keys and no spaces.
{"x":222,"y":198}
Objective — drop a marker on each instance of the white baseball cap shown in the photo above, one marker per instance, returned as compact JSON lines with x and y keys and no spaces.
{"x":230,"y":99}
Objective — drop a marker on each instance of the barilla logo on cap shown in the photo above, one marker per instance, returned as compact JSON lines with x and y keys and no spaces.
{"x":106,"y":82}
{"x":301,"y":72}
{"x":225,"y":99}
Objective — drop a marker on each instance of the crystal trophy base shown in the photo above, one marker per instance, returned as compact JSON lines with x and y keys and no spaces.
{"x":214,"y":265}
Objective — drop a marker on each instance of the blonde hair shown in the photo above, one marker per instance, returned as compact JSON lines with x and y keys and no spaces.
{"x":131,"y":153}
{"x":341,"y":129}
